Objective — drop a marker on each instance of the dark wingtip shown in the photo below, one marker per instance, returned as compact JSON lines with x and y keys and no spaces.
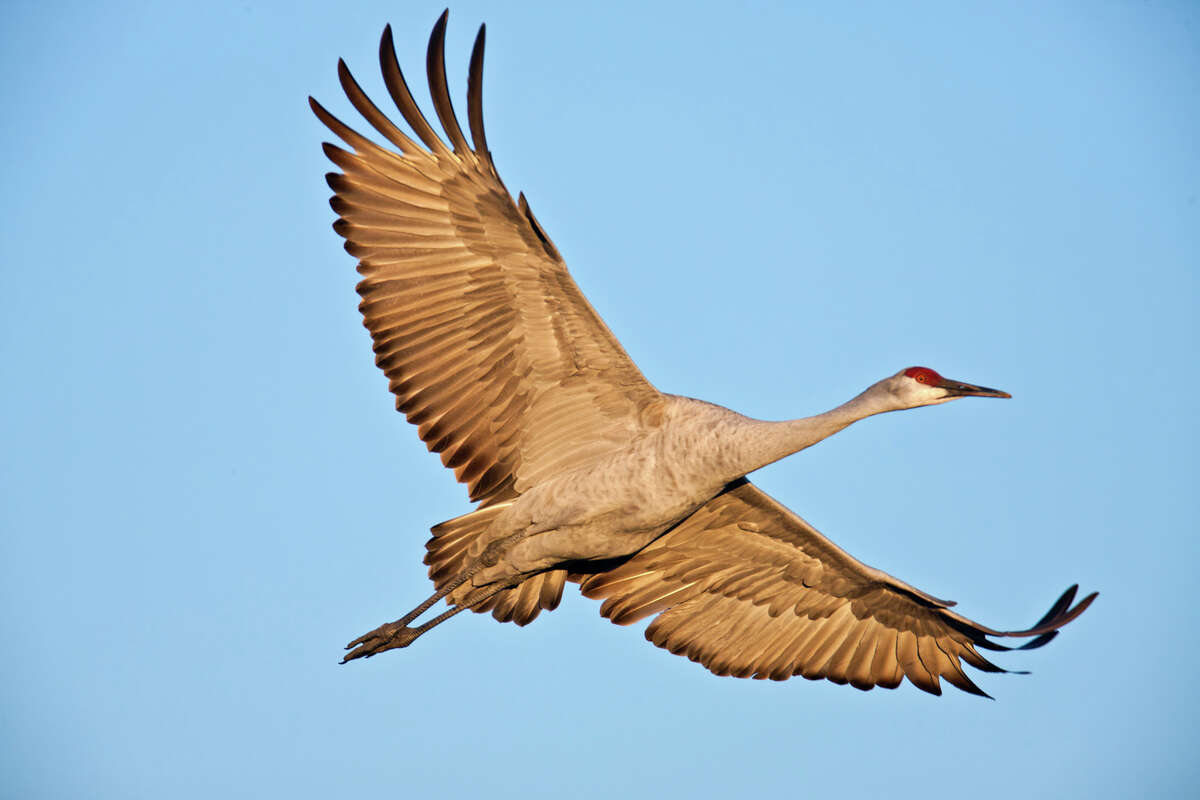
{"x":1060,"y":605}
{"x":1061,"y":612}
{"x":1087,"y":601}
{"x":1048,"y":627}
{"x":438,"y":34}
{"x":1040,"y":641}
{"x":437,"y":37}
{"x":439,"y":91}
{"x":1079,"y":608}
{"x":975,"y":690}
{"x":387,"y":44}
{"x":961,"y":681}
{"x":475,"y":97}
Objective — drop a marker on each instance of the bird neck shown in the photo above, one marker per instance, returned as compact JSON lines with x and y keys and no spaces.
{"x":768,"y":442}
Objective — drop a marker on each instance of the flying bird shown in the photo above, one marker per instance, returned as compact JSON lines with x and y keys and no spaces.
{"x":582,"y":470}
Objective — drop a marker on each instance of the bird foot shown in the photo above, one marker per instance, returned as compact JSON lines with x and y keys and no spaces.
{"x":385,"y":637}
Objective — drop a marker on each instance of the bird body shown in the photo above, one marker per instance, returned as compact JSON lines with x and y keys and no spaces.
{"x":619,"y":503}
{"x":583,"y":470}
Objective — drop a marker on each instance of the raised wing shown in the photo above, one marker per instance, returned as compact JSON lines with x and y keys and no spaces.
{"x":747,"y":588}
{"x":487,"y":343}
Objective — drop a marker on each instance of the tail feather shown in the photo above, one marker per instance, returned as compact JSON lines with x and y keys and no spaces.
{"x":457,"y":542}
{"x":524,"y":602}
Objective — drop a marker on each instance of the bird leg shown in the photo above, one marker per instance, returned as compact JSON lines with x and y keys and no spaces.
{"x":398,"y":634}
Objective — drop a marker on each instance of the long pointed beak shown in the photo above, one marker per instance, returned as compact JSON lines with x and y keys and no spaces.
{"x":959,"y":389}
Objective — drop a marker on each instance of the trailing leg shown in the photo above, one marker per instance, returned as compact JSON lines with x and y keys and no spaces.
{"x":399,"y":634}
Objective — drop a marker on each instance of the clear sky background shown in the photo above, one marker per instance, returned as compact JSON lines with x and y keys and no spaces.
{"x":206,"y":492}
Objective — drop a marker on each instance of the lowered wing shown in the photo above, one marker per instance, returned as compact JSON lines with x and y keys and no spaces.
{"x":747,"y":588}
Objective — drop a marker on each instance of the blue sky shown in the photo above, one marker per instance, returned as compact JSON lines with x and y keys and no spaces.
{"x":206,"y":491}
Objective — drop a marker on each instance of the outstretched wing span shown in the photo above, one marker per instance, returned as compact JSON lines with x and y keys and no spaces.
{"x":487,"y":343}
{"x":747,"y":588}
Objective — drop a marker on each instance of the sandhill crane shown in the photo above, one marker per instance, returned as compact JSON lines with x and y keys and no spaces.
{"x":583,"y":471}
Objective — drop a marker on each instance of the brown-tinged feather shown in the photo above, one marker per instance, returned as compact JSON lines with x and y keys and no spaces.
{"x":783,"y":600}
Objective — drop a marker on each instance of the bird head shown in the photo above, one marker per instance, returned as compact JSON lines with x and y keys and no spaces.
{"x":922,"y":386}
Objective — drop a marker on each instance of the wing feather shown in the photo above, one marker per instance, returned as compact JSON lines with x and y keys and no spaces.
{"x":747,"y":588}
{"x":435,"y":66}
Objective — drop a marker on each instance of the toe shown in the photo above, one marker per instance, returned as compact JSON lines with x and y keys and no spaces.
{"x":363,"y":651}
{"x":385,"y":637}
